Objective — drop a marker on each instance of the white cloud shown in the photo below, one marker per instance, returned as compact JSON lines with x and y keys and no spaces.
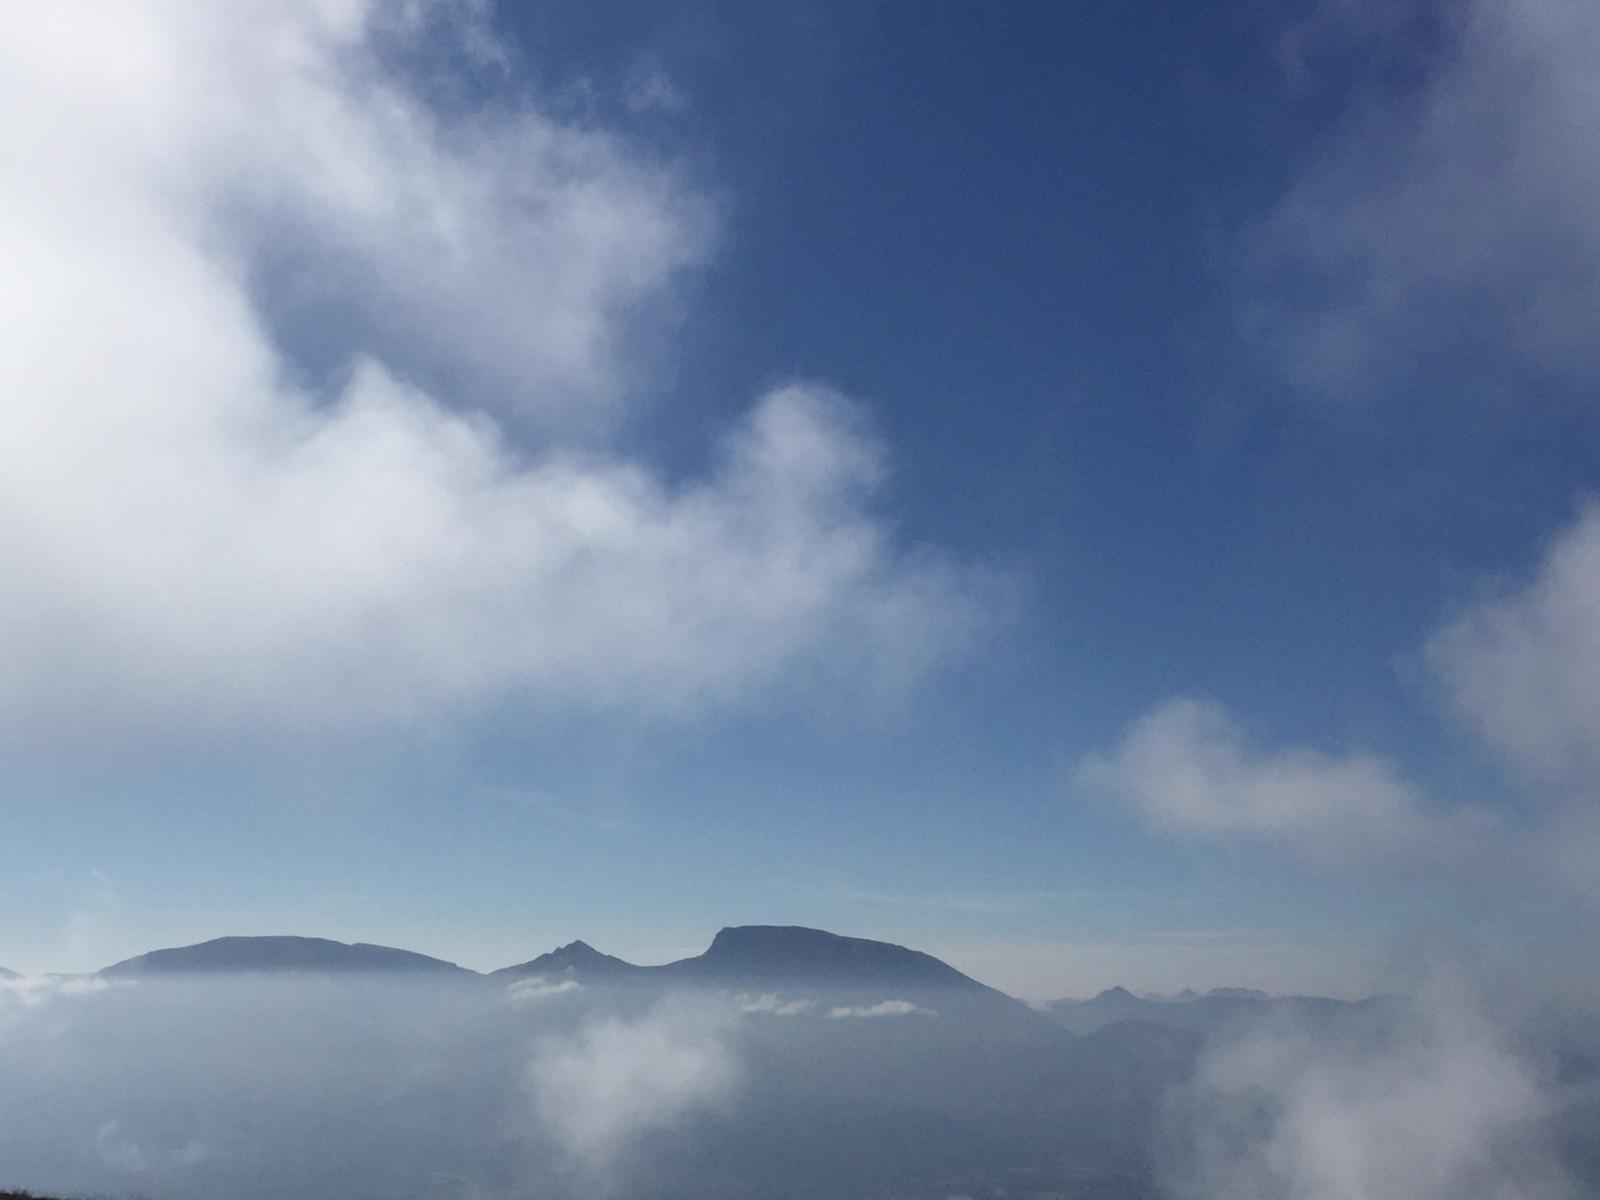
{"x":884,"y":1008}
{"x":196,"y":540}
{"x":282,"y":152}
{"x":1445,"y":234}
{"x":770,"y":1004}
{"x":24,"y":995}
{"x":1524,"y":667}
{"x":1442,"y":1109}
{"x":1521,"y":666}
{"x":33,"y":990}
{"x":600,"y":1089}
{"x":532,"y":990}
{"x":1187,"y":767}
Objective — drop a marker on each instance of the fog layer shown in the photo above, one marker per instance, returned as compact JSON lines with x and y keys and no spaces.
{"x":264,"y":1086}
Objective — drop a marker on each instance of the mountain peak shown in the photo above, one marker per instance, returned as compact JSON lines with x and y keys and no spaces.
{"x":576,"y":959}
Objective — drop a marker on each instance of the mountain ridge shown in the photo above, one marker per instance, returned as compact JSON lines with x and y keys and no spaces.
{"x":739,"y":956}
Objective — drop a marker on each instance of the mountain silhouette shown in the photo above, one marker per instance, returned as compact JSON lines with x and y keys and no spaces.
{"x":765,"y":956}
{"x":793,"y":954}
{"x":826,"y":972}
{"x":578,"y":961}
{"x":1217,"y":1010}
{"x":303,"y":954}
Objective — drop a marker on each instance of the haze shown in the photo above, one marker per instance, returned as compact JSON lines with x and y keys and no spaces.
{"x":1067,"y":532}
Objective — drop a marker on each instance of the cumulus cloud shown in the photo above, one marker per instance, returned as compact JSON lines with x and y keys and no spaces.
{"x":601,"y":1088}
{"x":884,"y":1008}
{"x":281,"y":320}
{"x":327,"y":161}
{"x":1188,"y":767}
{"x":1445,"y":232}
{"x":1520,"y":665}
{"x":770,"y":1004}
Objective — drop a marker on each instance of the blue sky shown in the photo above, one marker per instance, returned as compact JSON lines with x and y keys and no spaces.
{"x":1098,"y":492}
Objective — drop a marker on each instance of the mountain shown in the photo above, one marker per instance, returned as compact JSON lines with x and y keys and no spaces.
{"x":577,"y":961}
{"x":810,"y":971}
{"x":773,"y":955}
{"x":767,"y":957}
{"x":1218,"y":1010}
{"x":1235,"y":993}
{"x":1113,"y":1004}
{"x":302,"y":954}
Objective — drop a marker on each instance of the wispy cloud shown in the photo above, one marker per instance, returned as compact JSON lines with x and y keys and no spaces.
{"x":532,"y":990}
{"x":1445,"y":234}
{"x":884,"y":1008}
{"x":770,"y":1004}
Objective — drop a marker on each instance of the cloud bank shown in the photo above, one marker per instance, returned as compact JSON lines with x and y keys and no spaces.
{"x":313,"y":320}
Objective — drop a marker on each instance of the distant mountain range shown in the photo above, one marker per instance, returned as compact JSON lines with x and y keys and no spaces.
{"x":1076,"y":1081}
{"x":757,"y":958}
{"x":745,"y":956}
{"x":1212,"y":1012}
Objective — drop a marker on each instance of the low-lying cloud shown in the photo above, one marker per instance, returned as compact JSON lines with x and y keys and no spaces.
{"x":276,"y":1088}
{"x":770,"y":1004}
{"x":531,"y":991}
{"x":883,"y":1008}
{"x":1439,"y":1105}
{"x":598,"y":1090}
